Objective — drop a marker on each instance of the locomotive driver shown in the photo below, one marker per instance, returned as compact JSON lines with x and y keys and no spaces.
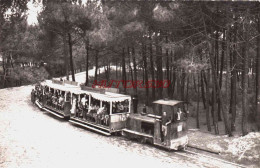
{"x":165,"y":122}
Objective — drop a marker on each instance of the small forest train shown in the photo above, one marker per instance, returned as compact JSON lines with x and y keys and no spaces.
{"x":108,"y":112}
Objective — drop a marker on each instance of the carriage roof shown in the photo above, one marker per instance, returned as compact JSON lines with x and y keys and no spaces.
{"x":168,"y":102}
{"x":106,"y":96}
{"x":64,"y":87}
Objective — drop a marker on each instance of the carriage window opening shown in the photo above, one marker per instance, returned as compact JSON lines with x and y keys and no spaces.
{"x":84,"y":101}
{"x":68,"y":96}
{"x":180,"y":114}
{"x":97,"y":114}
{"x":120,"y":107}
{"x":147,"y":128}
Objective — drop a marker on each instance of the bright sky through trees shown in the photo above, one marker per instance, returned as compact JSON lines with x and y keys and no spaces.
{"x":33,"y":10}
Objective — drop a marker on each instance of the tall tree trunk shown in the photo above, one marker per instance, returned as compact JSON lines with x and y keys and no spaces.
{"x":221,"y":71}
{"x":194,"y":84}
{"x":65,"y":54}
{"x":202,"y":91}
{"x":182,"y":86}
{"x":159,"y":66}
{"x":130,"y":66}
{"x":187,"y":90}
{"x":228,"y":76}
{"x":4,"y":72}
{"x":71,"y":58}
{"x":178,"y":85}
{"x":107,"y":72}
{"x":172,"y":80}
{"x":207,"y":99}
{"x":218,"y":91}
{"x":217,"y":70}
{"x":159,"y":69}
{"x":86,"y":61}
{"x":145,"y":72}
{"x":187,"y":87}
{"x":96,"y":65}
{"x":116,"y":69}
{"x":214,"y":93}
{"x":258,"y":75}
{"x":123,"y":68}
{"x":245,"y":83}
{"x":198,"y":105}
{"x":202,"y":86}
{"x":233,"y":61}
{"x":167,"y":68}
{"x":152,"y":66}
{"x":135,"y":71}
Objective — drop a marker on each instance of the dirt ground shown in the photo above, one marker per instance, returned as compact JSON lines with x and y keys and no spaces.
{"x":33,"y":138}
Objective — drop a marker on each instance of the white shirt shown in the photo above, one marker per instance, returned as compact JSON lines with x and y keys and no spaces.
{"x":84,"y":100}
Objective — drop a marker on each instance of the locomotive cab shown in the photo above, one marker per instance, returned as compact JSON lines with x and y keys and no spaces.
{"x":165,"y":126}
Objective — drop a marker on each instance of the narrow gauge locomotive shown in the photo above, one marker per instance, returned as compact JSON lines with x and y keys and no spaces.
{"x":108,"y":112}
{"x":165,"y":127}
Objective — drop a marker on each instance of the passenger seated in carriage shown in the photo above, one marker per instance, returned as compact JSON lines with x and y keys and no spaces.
{"x":55,"y":100}
{"x":114,"y":108}
{"x":96,"y":107}
{"x":120,"y":107}
{"x":40,"y":93}
{"x":83,"y":106}
{"x":37,"y":92}
{"x":91,"y":109}
{"x":61,"y":102}
{"x":46,"y":90}
{"x":84,"y":101}
{"x":104,"y":115}
{"x":99,"y":114}
{"x":49,"y":98}
{"x":80,"y":109}
{"x":126,"y":105}
{"x":74,"y":106}
{"x":68,"y":97}
{"x":94,"y":114}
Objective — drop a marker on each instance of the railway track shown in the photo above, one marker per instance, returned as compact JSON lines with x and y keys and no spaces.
{"x":207,"y":160}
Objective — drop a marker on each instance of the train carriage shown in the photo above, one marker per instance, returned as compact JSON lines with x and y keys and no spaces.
{"x":103,"y":111}
{"x":165,"y":128}
{"x":56,"y":97}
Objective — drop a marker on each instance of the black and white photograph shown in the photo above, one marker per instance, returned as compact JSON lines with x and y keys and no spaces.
{"x":129,"y":83}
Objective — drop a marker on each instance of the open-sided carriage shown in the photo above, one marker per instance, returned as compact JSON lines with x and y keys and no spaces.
{"x":165,"y":128}
{"x":97,"y":109}
{"x":56,"y":97}
{"x":100,"y":110}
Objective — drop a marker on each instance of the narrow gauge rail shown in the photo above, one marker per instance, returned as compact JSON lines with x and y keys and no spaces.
{"x":108,"y":112}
